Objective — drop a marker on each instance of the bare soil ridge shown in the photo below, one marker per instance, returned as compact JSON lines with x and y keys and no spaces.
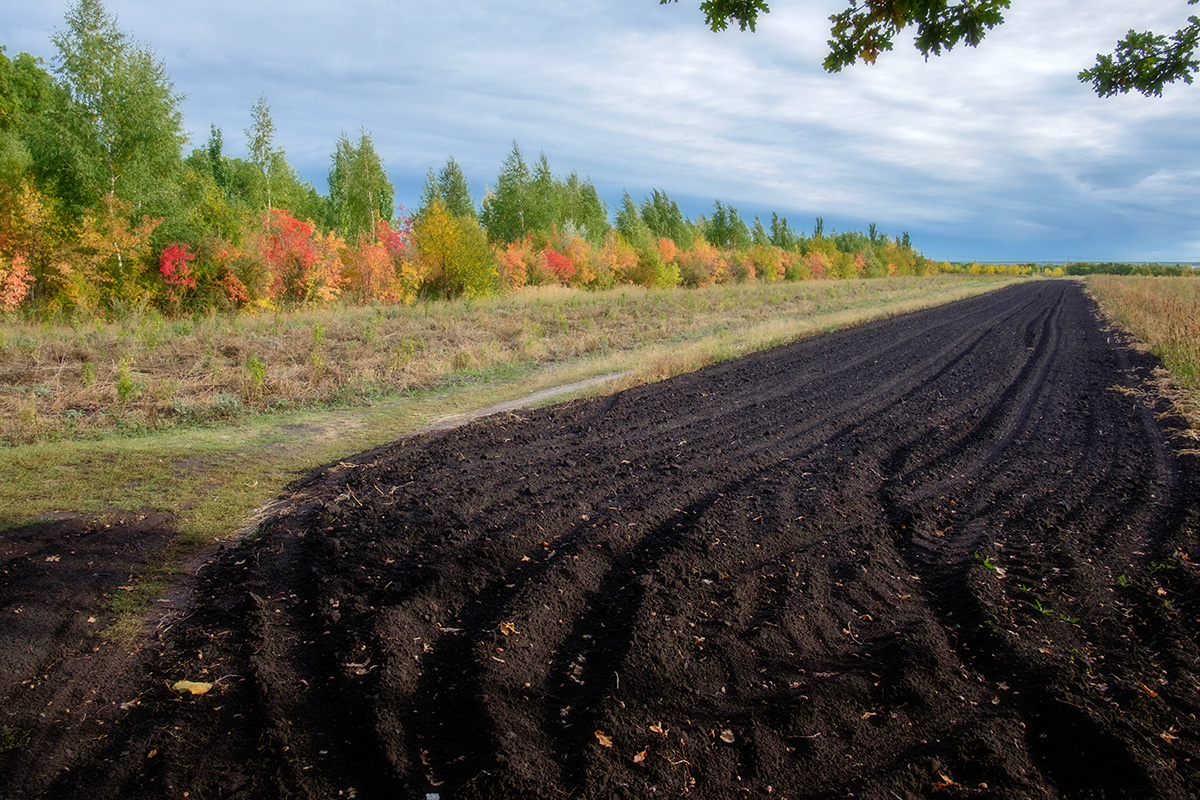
{"x":940,"y":555}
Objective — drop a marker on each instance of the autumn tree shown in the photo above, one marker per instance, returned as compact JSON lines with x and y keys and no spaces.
{"x":454,"y":254}
{"x":359,"y":190}
{"x":1143,"y":61}
{"x":651,"y":270}
{"x":114,"y":247}
{"x":302,"y":265}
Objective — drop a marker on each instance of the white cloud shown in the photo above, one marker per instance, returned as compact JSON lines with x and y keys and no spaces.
{"x":997,"y":152}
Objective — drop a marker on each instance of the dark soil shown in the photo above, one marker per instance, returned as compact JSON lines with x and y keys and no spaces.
{"x":946,"y":555}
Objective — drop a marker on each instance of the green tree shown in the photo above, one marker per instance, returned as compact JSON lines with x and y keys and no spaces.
{"x":260,"y":141}
{"x":758,"y":234}
{"x":1143,"y":61}
{"x":783,"y":236}
{"x":450,"y":186}
{"x":726,"y":229}
{"x":580,"y":206}
{"x":503,"y":212}
{"x":542,"y":208}
{"x":126,"y":129}
{"x":662,"y":215}
{"x":214,"y":153}
{"x":359,"y":190}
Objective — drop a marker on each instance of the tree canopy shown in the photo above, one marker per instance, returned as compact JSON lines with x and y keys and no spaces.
{"x":1143,"y":61}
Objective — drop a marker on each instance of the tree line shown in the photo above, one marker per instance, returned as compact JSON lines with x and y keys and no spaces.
{"x":103,"y":211}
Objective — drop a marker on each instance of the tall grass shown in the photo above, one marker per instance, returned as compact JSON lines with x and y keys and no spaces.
{"x":78,"y":379}
{"x":1164,"y":313}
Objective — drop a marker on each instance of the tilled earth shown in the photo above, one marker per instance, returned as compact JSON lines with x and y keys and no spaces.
{"x":944,"y":555}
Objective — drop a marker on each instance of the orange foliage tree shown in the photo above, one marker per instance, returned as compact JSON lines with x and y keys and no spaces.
{"x":302,"y":265}
{"x":382,"y":266}
{"x":702,"y":264}
{"x":15,"y":280}
{"x":513,"y":260}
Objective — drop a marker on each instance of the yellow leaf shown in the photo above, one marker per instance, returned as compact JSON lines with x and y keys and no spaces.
{"x":658,"y":728}
{"x":508,"y":628}
{"x":192,"y":687}
{"x":640,"y":757}
{"x":603,"y":739}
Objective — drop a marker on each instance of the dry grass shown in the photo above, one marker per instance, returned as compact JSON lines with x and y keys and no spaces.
{"x":80,"y":380}
{"x":1164,"y":313}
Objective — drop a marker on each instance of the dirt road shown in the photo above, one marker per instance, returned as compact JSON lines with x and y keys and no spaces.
{"x":944,"y":555}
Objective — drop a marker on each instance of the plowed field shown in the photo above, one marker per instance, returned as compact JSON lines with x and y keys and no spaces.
{"x":944,"y":555}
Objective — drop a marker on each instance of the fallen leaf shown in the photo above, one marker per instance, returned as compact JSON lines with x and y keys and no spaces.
{"x":603,"y":739}
{"x":192,"y":687}
{"x":508,"y":628}
{"x":658,"y":728}
{"x":727,"y":736}
{"x":945,"y":783}
{"x":640,"y":757}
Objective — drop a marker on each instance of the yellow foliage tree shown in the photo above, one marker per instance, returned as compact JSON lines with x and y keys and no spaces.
{"x":114,"y":253}
{"x":454,"y":255}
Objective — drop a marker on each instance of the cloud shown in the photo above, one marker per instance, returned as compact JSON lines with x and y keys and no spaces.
{"x":993,"y":153}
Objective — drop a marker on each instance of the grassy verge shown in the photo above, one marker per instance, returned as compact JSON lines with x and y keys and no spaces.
{"x":1164,"y":313}
{"x":87,"y":379}
{"x":213,"y":477}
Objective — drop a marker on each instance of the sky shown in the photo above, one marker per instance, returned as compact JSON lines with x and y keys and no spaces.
{"x":996,"y":153}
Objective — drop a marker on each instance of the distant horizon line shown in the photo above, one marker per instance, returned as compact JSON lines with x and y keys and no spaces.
{"x":1061,"y":262}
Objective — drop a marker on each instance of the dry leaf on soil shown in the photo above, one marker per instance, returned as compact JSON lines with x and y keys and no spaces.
{"x":192,"y":687}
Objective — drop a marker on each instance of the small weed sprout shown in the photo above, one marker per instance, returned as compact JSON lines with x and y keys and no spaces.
{"x":256,"y":379}
{"x":87,"y":374}
{"x":12,"y":741}
{"x":129,"y":390}
{"x":317,"y":359}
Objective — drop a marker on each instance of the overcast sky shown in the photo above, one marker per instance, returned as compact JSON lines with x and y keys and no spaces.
{"x":995,"y":154}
